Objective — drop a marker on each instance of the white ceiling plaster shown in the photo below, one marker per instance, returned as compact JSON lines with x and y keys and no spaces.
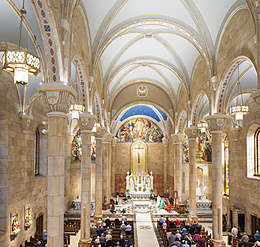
{"x":213,"y":13}
{"x":147,"y":47}
{"x":113,"y":48}
{"x":168,"y":8}
{"x":96,"y":13}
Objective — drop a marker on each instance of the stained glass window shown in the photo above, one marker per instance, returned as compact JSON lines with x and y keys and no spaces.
{"x":36,"y":152}
{"x":257,"y":152}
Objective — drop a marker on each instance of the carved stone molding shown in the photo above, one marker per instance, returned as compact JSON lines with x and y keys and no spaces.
{"x":256,"y":97}
{"x":178,"y":138}
{"x":100,"y":133}
{"x":86,"y":121}
{"x":217,"y":122}
{"x":165,"y":142}
{"x":25,"y":122}
{"x":58,"y":96}
{"x":108,"y":137}
{"x":191,"y":132}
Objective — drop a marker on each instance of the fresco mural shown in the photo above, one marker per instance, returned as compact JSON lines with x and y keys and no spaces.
{"x":203,"y":148}
{"x":76,"y":147}
{"x":139,"y":129}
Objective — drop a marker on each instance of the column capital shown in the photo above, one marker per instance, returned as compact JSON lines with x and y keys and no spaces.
{"x":87,"y":121}
{"x":178,"y":138}
{"x":100,"y":133}
{"x":58,"y":96}
{"x":108,"y":137}
{"x":165,"y":141}
{"x":114,"y":142}
{"x":192,"y":132}
{"x":217,"y":122}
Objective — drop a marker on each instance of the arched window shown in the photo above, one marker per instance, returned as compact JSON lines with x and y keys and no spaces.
{"x":257,"y":152}
{"x":225,"y":165}
{"x":36,"y":152}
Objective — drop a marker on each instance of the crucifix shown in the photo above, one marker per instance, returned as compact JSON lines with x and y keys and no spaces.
{"x":138,"y":153}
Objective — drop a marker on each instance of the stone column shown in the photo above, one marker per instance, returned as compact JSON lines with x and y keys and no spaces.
{"x":177,"y":140}
{"x":57,"y":97}
{"x":216,"y":125}
{"x":192,"y":133}
{"x":106,"y":170}
{"x":98,"y":178}
{"x":165,"y":167}
{"x":113,"y":169}
{"x":86,"y":123}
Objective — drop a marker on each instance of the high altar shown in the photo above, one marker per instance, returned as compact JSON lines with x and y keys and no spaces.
{"x":139,"y":183}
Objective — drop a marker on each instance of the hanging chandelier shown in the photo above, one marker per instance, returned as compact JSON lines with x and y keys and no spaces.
{"x":239,"y":110}
{"x":202,"y":125}
{"x":75,"y":110}
{"x":20,"y":62}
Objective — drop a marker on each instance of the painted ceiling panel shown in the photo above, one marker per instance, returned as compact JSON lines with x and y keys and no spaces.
{"x":147,"y":47}
{"x":114,"y":47}
{"x":170,"y":8}
{"x":187,"y":51}
{"x":140,"y":110}
{"x":96,"y":13}
{"x":214,"y":13}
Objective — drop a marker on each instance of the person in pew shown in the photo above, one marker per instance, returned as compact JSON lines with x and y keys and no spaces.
{"x":257,"y":244}
{"x":44,"y":235}
{"x":122,"y":241}
{"x":117,"y":244}
{"x":102,"y":240}
{"x":161,"y":220}
{"x":100,"y":222}
{"x":39,"y":244}
{"x":124,"y":219}
{"x":177,"y":223}
{"x":168,"y":233}
{"x":244,"y":240}
{"x":164,"y":225}
{"x":128,"y":229}
{"x":97,"y":240}
{"x":108,"y":222}
{"x":196,"y":237}
{"x":108,"y":237}
{"x":129,"y":242}
{"x":234,"y":232}
{"x":171,"y":239}
{"x":257,"y":236}
{"x":185,"y":244}
{"x":99,"y":231}
{"x":198,"y":228}
{"x":110,"y":243}
{"x":192,"y":228}
{"x":117,"y":221}
{"x":184,"y":231}
{"x":167,"y":221}
{"x":109,"y":231}
{"x":172,"y":224}
{"x":123,"y":229}
{"x":173,"y":245}
{"x":177,"y":236}
{"x":202,"y":242}
{"x":189,"y":239}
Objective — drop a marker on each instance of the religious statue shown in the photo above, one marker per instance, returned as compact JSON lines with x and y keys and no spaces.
{"x":198,"y":189}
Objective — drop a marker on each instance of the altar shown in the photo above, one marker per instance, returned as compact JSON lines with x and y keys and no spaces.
{"x":139,"y":184}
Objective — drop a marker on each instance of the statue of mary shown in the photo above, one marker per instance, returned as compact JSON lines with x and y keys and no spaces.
{"x":198,"y":189}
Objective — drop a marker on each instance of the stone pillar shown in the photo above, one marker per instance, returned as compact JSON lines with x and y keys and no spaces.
{"x":98,"y":178}
{"x":57,"y":97}
{"x":113,"y":168}
{"x":165,"y":167}
{"x":86,"y":123}
{"x":106,"y":171}
{"x":192,"y":133}
{"x":216,"y":124}
{"x":177,"y":140}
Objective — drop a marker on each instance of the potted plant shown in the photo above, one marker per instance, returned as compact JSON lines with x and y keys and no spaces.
{"x":112,"y":211}
{"x":152,"y":192}
{"x":123,"y":211}
{"x":144,"y":190}
{"x":135,"y":190}
{"x":127,"y":192}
